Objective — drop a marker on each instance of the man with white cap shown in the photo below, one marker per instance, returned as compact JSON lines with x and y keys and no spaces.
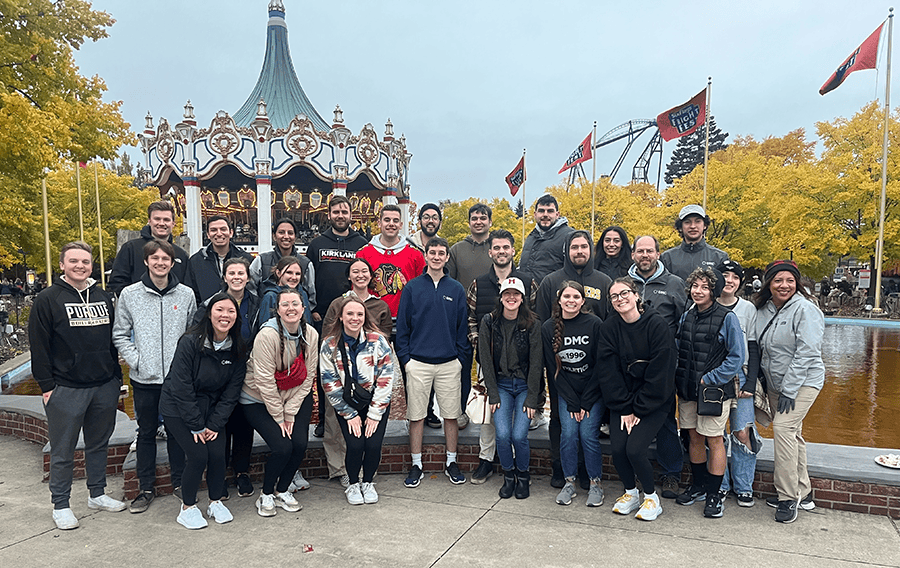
{"x":694,"y":251}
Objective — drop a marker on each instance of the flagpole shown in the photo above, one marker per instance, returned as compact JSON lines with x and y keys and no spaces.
{"x":706,"y":148}
{"x":99,"y":228}
{"x":524,"y":204}
{"x":879,"y":247}
{"x":593,"y":178}
{"x":80,"y":214}
{"x":46,"y":228}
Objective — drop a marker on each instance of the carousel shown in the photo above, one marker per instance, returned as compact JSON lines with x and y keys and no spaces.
{"x":275,"y":157}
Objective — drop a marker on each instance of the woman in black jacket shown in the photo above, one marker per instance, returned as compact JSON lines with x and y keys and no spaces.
{"x":638,"y":382}
{"x":198,"y":396}
{"x":509,"y":347}
{"x":612,"y":255}
{"x":238,"y":432}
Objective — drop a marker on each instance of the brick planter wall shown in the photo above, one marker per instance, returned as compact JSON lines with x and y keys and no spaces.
{"x":35,"y":430}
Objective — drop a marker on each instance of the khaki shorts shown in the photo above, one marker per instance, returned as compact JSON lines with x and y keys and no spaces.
{"x":444,"y":377}
{"x":710,"y":426}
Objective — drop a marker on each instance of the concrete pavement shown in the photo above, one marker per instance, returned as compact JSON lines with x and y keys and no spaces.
{"x":437,"y":524}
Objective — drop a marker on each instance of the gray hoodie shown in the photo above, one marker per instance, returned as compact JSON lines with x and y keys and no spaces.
{"x":791,"y":348}
{"x":157,"y":318}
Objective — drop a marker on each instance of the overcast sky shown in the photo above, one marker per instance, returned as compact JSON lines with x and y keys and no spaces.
{"x":473,"y":83}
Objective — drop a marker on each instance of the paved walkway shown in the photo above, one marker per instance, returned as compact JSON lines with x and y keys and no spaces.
{"x":437,"y":524}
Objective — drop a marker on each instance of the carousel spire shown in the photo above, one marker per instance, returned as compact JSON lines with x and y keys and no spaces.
{"x":278,"y":84}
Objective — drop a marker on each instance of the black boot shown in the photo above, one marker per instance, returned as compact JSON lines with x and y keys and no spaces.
{"x":523,"y":481}
{"x":509,"y":484}
{"x":557,"y":479}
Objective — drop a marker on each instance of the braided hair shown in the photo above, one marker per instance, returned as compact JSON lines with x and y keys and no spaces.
{"x":558,"y":321}
{"x":301,"y":330}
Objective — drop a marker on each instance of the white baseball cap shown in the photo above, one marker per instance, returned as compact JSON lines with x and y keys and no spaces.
{"x":514,"y":284}
{"x":691,"y":210}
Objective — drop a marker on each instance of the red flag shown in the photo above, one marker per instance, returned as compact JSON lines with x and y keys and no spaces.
{"x":581,"y":154}
{"x":683,"y":119}
{"x":516,"y":178}
{"x":865,"y":57}
{"x":82,"y":164}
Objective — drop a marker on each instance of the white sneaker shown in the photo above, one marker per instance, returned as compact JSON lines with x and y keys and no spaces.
{"x":354,"y":494}
{"x":161,"y":432}
{"x":219,"y":512}
{"x":628,"y":503}
{"x":133,"y":446}
{"x":345,"y":481}
{"x":265,"y":505}
{"x":106,"y":503}
{"x":65,"y":519}
{"x":191,"y":518}
{"x":298,"y":483}
{"x":368,"y":492}
{"x":287,"y":502}
{"x":650,"y":509}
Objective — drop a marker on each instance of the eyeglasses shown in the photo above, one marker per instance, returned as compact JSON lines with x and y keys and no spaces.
{"x":621,"y":295}
{"x":430,"y":218}
{"x":294,"y":304}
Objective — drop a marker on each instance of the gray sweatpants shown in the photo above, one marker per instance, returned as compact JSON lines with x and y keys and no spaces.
{"x":70,"y":410}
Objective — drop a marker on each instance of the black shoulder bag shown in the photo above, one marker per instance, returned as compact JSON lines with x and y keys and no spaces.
{"x":354,"y":395}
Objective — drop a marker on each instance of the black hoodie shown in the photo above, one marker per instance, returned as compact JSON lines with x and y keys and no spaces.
{"x":596,"y":285}
{"x":330,"y":255}
{"x":129,"y":264}
{"x":71,"y":337}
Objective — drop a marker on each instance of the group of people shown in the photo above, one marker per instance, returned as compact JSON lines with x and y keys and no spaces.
{"x":220,"y":345}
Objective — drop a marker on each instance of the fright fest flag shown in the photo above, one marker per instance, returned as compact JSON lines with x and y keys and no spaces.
{"x":864,"y":57}
{"x":581,"y":154}
{"x":683,"y":119}
{"x":516,"y":178}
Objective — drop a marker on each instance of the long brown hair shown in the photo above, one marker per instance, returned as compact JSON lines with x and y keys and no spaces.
{"x":337,"y":328}
{"x":559,"y":324}
{"x":525,"y":318}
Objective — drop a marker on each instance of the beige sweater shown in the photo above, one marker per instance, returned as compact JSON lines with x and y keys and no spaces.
{"x":259,"y":382}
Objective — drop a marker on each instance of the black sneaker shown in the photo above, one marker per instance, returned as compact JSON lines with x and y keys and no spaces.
{"x":714,"y":507}
{"x":557,"y":479}
{"x":483,"y":472}
{"x":745,"y":499}
{"x":319,"y":431}
{"x":433,"y":421}
{"x":807,"y":503}
{"x":244,"y":485}
{"x":691,"y":495}
{"x":414,"y":477}
{"x":670,"y":488}
{"x":455,"y":476}
{"x":142,"y":502}
{"x":786,"y":512}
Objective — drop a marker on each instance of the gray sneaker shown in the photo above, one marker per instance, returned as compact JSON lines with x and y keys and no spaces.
{"x":595,"y":495}
{"x":566,"y":494}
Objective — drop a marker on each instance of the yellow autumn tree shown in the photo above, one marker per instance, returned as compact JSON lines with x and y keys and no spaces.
{"x":49,"y":113}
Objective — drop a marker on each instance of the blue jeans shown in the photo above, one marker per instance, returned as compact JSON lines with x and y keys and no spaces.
{"x":587,"y":433}
{"x":511,"y":424}
{"x":742,"y":460}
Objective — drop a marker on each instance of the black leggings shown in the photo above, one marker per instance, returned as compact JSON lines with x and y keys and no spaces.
{"x":238,"y":440}
{"x":362,"y":451}
{"x":631,"y":452}
{"x":199,"y":456}
{"x":287,"y":453}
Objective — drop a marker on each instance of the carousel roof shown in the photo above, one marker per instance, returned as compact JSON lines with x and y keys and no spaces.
{"x":278,"y":85}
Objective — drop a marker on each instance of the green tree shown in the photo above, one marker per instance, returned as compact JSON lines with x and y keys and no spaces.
{"x":689,"y":150}
{"x":49,"y":113}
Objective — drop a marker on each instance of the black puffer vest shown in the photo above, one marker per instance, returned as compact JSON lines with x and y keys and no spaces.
{"x":520,"y":342}
{"x":699,"y":350}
